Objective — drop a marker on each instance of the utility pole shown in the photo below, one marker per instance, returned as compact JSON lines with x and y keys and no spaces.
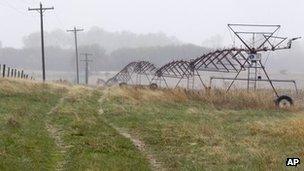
{"x":75,"y":30}
{"x":86,"y":60}
{"x":41,"y":10}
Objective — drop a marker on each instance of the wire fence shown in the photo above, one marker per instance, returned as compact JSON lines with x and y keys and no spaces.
{"x":9,"y":72}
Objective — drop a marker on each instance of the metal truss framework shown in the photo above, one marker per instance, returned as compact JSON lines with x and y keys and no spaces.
{"x":227,"y":60}
{"x":233,"y":60}
{"x":262,"y":39}
{"x":180,"y":70}
{"x":141,"y":68}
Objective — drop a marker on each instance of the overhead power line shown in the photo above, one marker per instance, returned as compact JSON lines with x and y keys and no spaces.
{"x":8,"y":5}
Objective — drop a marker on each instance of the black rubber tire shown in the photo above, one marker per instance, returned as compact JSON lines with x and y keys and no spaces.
{"x":123,"y":84}
{"x":153,"y":86}
{"x":284,"y":98}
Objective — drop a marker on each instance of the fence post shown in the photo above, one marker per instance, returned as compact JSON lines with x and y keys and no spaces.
{"x":8,"y":71}
{"x":3,"y":73}
{"x":18,"y":74}
{"x":12,"y":72}
{"x":22,"y":76}
{"x":15,"y":73}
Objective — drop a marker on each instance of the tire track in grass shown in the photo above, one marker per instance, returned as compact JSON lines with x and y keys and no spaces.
{"x":56,"y":133}
{"x":140,"y":145}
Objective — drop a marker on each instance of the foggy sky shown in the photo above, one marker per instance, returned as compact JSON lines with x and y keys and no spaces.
{"x":191,"y":21}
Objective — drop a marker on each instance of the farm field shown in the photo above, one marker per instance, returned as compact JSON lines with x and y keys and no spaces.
{"x":152,"y":85}
{"x":185,"y":132}
{"x":58,"y":127}
{"x":51,"y":127}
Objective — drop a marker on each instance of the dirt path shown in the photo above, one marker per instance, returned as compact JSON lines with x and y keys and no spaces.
{"x":56,"y":133}
{"x":140,"y":145}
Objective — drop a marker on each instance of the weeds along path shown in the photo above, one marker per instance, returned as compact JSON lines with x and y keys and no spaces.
{"x":140,"y":145}
{"x":56,"y":133}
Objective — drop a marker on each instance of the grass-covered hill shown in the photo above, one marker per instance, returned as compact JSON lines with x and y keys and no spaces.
{"x":56,"y":127}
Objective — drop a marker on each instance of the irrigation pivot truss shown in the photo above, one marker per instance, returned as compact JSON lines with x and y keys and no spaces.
{"x":258,"y":39}
{"x":227,"y":60}
{"x":178,"y":70}
{"x":254,"y":40}
{"x":263,"y":37}
{"x":134,"y":69}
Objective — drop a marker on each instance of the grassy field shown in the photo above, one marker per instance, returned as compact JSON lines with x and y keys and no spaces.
{"x":24,"y":142}
{"x":188,"y":132}
{"x":90,"y":143}
{"x":48,"y":127}
{"x":56,"y":127}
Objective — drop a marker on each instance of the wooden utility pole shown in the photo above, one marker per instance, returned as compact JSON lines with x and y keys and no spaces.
{"x":75,"y":30}
{"x":41,"y":10}
{"x":87,"y":60}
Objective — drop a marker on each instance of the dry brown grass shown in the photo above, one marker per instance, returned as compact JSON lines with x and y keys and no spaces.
{"x":63,"y":82}
{"x":144,"y":94}
{"x":241,"y":99}
{"x":291,"y":129}
{"x":76,"y":93}
{"x":17,"y":86}
{"x":220,"y":131}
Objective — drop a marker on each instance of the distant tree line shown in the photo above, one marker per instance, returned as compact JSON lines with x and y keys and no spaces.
{"x":113,"y":50}
{"x":110,"y":41}
{"x":59,"y":59}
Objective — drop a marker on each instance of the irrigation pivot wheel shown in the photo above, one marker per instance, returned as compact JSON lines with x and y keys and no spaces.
{"x":153,"y":86}
{"x":123,"y":84}
{"x":284,"y":102}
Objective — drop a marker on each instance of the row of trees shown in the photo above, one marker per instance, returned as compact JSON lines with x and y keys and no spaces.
{"x":113,"y":50}
{"x":59,"y":59}
{"x":110,"y":41}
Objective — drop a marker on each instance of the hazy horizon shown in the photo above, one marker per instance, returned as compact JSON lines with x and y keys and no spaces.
{"x":119,"y":32}
{"x":189,"y":21}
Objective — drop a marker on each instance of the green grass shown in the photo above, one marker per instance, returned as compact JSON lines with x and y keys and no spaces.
{"x":94,"y":145}
{"x":26,"y":111}
{"x":24,"y":142}
{"x":193,"y":135}
{"x":49,"y":127}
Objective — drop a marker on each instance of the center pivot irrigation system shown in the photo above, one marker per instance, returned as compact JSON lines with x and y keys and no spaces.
{"x":246,"y":57}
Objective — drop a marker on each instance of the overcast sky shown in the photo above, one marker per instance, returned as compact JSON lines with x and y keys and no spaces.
{"x":191,"y":21}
